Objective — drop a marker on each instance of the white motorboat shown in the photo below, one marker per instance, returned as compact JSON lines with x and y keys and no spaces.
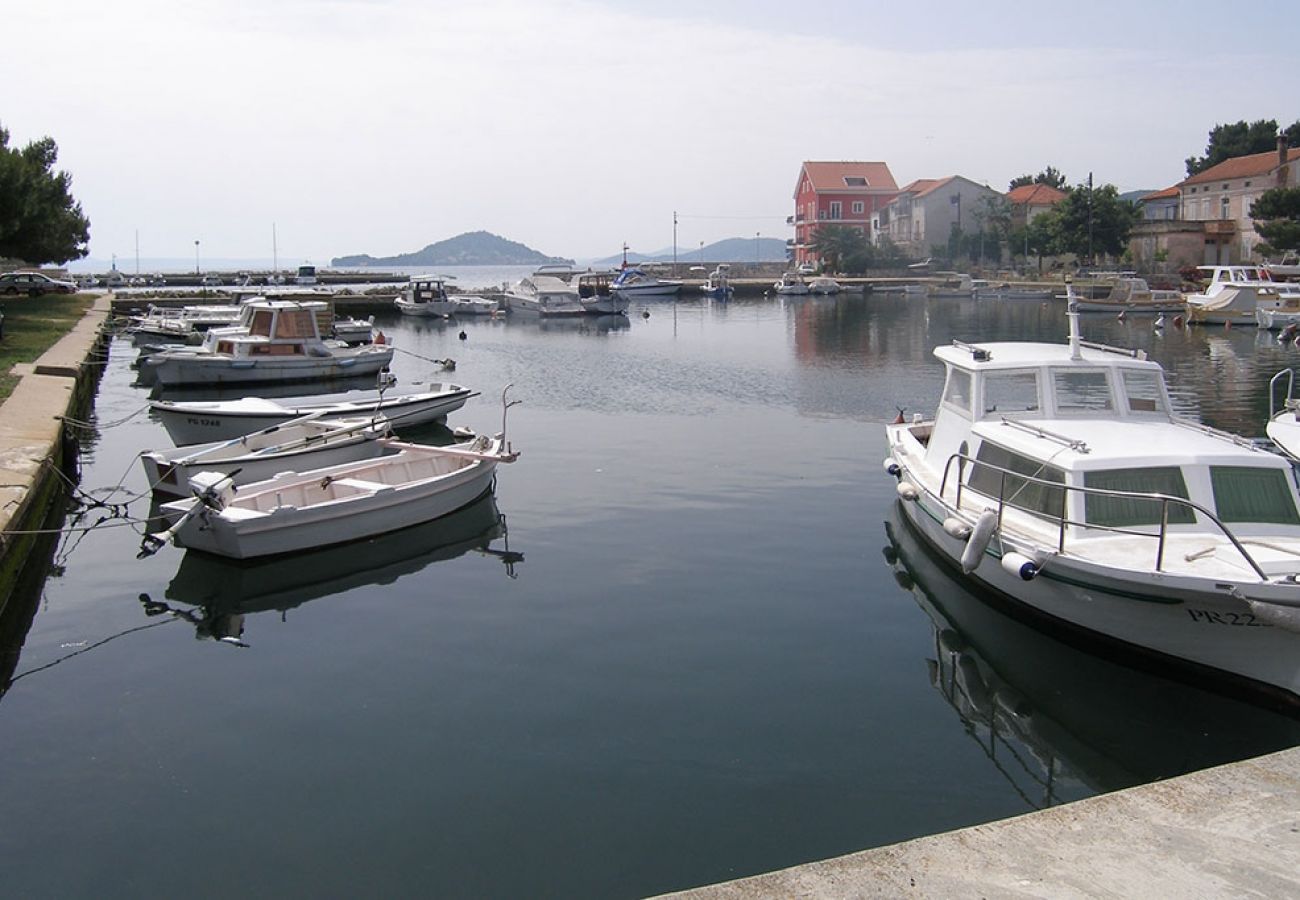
{"x":1006,"y":291}
{"x":276,"y":341}
{"x":201,"y":421}
{"x":182,"y":323}
{"x":295,"y":446}
{"x":351,"y":330}
{"x":296,"y":511}
{"x":1285,"y":268}
{"x":1058,"y":477}
{"x":471,"y":305}
{"x":1232,"y":296}
{"x":634,"y":283}
{"x":1276,"y":318}
{"x":1131,"y":294}
{"x":718,"y":283}
{"x":823,"y":285}
{"x":791,"y":284}
{"x":424,"y":295}
{"x":544,"y":295}
{"x":596,"y":294}
{"x":1283,"y":427}
{"x":306,"y":276}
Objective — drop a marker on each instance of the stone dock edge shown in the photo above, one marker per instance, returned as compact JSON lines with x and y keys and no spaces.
{"x":1229,"y":831}
{"x":36,"y":444}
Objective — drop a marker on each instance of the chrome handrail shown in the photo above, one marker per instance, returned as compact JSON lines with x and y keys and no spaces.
{"x":1272,"y":392}
{"x":1163,"y":499}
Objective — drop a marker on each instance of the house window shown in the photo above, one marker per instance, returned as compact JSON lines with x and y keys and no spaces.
{"x":1192,"y":191}
{"x":1223,"y":207}
{"x":837,"y":209}
{"x":855,"y":181}
{"x":858,"y":207}
{"x":1247,"y":184}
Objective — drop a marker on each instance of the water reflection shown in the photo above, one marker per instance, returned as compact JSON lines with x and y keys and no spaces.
{"x":1049,"y":716}
{"x":219,"y":593}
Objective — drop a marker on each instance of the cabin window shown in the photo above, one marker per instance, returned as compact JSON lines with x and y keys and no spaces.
{"x":1020,"y":492}
{"x":1142,"y":391}
{"x":296,"y":323}
{"x":957,"y":392}
{"x":1122,"y":512}
{"x":261,"y":323}
{"x":1081,"y":390}
{"x":1253,"y":494}
{"x":1011,"y":392}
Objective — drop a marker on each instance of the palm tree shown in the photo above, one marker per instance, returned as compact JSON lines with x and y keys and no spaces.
{"x":835,"y":243}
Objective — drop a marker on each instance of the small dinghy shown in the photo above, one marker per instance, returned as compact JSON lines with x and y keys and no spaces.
{"x":322,"y":507}
{"x":201,"y":421}
{"x":296,"y":446}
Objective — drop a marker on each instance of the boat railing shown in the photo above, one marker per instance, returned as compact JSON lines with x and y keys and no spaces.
{"x":1288,"y":402}
{"x":1023,"y":480}
{"x":1037,"y":431}
{"x":1237,"y":439}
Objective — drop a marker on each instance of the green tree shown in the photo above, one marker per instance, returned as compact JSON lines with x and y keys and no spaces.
{"x":40,"y":222}
{"x":834,"y":244}
{"x":1089,"y":222}
{"x":1241,"y":139}
{"x":1277,"y":218}
{"x":1048,"y":176}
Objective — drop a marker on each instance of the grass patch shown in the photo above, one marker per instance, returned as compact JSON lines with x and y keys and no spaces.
{"x":32,"y":325}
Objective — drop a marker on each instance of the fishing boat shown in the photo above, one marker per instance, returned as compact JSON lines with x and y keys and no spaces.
{"x":791,"y":284}
{"x":297,"y":445}
{"x":296,"y":511}
{"x":634,"y":283}
{"x":823,"y":285}
{"x":1132,"y":295}
{"x":200,"y":421}
{"x":424,"y":295}
{"x":1058,"y":477}
{"x":597,"y":295}
{"x":276,"y":341}
{"x":718,"y":283}
{"x":952,"y":286}
{"x":1232,"y":296}
{"x":181,"y":323}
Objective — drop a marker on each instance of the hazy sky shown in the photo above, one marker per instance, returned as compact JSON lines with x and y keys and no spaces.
{"x":379,"y":126}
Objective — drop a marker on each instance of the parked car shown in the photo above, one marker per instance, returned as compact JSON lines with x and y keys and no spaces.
{"x":807,"y":268}
{"x":34,"y":284}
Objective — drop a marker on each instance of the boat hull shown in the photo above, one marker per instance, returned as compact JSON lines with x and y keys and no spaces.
{"x":232,"y":532}
{"x":200,"y":422}
{"x":1204,"y":629}
{"x":181,"y":368}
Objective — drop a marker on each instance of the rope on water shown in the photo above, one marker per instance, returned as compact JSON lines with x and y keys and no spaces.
{"x":449,"y":364}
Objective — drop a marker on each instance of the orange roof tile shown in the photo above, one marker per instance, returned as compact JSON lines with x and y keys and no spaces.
{"x":1035,"y":195}
{"x":1160,"y":195}
{"x":919,"y":185}
{"x":934,"y":185}
{"x":1242,"y":167}
{"x":829,"y":176}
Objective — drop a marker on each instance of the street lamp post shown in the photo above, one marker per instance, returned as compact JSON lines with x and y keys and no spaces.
{"x":196,"y":257}
{"x":756,"y":251}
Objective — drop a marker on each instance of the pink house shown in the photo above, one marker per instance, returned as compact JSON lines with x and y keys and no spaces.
{"x":837,"y":193}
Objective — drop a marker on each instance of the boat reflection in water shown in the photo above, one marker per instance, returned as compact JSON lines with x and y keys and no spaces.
{"x":586,"y":324}
{"x":1051,"y":717}
{"x":221,"y":592}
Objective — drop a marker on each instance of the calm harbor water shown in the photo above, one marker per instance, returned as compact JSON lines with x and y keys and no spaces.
{"x":709,"y":651}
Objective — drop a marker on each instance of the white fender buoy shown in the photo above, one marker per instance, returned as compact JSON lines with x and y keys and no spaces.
{"x":1287,"y":617}
{"x":978,"y":541}
{"x":956,"y":528}
{"x":1019,"y":565}
{"x":907,"y":490}
{"x":892,"y":467}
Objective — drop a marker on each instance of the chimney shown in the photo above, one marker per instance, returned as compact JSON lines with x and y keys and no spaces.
{"x":1281,"y":160}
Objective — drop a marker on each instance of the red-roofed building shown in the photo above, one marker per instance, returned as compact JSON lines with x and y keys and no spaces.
{"x":925,"y":212}
{"x":1029,"y":201}
{"x":837,"y":193}
{"x":1221,"y":198}
{"x":1160,"y":206}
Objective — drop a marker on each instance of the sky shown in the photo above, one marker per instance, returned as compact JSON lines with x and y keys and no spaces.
{"x":322,"y":128}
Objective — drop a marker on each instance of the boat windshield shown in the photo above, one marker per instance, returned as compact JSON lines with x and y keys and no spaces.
{"x":1122,"y":512}
{"x":1010,"y":392}
{"x":1082,"y":390}
{"x":1253,"y":494}
{"x":957,"y":392}
{"x":1142,"y":391}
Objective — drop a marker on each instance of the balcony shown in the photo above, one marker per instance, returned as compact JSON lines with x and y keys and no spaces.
{"x":1220,"y":226}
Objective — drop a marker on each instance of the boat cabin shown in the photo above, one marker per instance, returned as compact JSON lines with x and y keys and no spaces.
{"x":272,"y":328}
{"x":306,"y":275}
{"x":1017,"y":419}
{"x":425,"y":289}
{"x":593,"y":284}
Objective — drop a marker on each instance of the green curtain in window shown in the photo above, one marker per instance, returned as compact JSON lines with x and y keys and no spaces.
{"x":1248,"y":494}
{"x":1123,"y":512}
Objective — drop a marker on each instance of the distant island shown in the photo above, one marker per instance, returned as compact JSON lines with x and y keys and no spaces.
{"x":730,"y":250}
{"x":474,"y":248}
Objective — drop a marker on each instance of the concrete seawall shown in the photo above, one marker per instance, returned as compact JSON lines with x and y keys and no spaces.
{"x":1230,"y":831}
{"x":35,"y":444}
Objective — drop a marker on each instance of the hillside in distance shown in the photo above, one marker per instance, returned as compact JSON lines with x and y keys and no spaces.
{"x":730,"y":250}
{"x":474,"y":248}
